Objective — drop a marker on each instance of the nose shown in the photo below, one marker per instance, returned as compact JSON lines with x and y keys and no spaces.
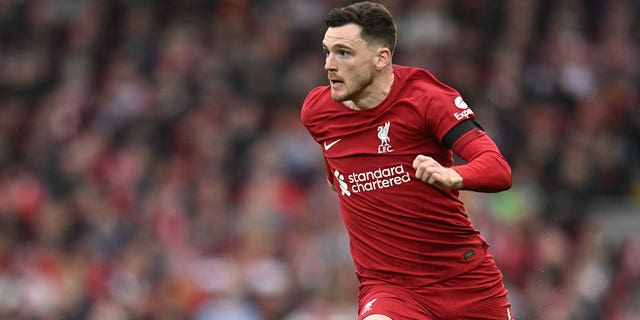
{"x":329,"y":63}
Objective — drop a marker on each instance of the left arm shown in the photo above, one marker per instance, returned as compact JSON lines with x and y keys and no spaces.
{"x":486,"y":169}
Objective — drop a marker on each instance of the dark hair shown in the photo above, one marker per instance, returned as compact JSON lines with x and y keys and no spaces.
{"x":376,"y":22}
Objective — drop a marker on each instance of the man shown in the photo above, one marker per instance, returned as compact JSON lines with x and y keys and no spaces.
{"x":387,"y":134}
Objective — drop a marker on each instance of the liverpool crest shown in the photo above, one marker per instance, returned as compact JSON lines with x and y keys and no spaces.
{"x":383,"y":135}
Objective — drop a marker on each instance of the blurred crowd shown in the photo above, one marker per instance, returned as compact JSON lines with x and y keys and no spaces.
{"x":153,"y":165}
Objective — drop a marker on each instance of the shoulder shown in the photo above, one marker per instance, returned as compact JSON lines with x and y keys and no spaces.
{"x":430,"y":95}
{"x":312,"y":110}
{"x":314,"y":100}
{"x":440,"y":105}
{"x":424,"y":84}
{"x":315,"y":96}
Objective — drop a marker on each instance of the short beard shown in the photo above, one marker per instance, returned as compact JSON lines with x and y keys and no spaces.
{"x":354,"y":95}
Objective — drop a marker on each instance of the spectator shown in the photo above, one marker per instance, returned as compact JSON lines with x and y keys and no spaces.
{"x":150,"y":148}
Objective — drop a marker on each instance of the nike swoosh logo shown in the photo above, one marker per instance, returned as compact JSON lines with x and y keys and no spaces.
{"x":328,"y":146}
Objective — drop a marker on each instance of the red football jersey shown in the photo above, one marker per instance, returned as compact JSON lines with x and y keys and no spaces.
{"x":401,"y":230}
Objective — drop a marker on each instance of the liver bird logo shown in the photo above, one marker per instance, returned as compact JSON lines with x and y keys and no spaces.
{"x":383,"y":135}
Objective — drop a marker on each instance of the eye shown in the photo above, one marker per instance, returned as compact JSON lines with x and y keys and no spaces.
{"x":343,"y":53}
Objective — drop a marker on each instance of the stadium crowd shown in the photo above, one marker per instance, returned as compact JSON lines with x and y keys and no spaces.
{"x":153,"y":165}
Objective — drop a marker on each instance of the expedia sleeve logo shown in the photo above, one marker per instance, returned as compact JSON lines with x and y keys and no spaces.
{"x":380,"y":178}
{"x":460,"y":104}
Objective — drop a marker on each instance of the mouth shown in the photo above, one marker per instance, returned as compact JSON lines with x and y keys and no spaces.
{"x":335,"y":82}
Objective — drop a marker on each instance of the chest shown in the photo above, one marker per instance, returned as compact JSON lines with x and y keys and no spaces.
{"x":395,"y":133}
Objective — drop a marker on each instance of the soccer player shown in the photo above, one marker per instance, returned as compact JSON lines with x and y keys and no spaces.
{"x":387,"y":133}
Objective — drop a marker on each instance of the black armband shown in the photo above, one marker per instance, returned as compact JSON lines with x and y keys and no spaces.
{"x":458,"y":131}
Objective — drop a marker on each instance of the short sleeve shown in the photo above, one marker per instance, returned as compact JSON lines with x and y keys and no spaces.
{"x":445,"y":111}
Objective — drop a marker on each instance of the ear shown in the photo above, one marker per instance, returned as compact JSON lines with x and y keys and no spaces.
{"x":383,"y":58}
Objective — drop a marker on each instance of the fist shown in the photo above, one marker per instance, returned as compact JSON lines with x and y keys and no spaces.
{"x":430,"y":171}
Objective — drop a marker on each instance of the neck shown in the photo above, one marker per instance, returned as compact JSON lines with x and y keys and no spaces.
{"x":375,"y":94}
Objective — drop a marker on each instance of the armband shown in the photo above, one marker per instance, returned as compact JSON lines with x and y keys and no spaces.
{"x":460,"y":129}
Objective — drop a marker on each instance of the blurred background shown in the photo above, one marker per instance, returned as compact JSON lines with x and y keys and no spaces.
{"x":153,"y":165}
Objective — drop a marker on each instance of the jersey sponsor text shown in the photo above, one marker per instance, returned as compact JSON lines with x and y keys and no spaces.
{"x":380,"y":178}
{"x":464,"y":114}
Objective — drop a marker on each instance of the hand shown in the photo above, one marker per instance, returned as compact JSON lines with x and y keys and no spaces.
{"x":433,"y":173}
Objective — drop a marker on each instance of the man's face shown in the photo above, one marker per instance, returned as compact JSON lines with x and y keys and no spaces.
{"x":349,"y":62}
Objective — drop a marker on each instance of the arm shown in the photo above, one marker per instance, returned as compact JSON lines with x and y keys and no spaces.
{"x":329,"y":175}
{"x":486,"y":169}
{"x":331,"y":186}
